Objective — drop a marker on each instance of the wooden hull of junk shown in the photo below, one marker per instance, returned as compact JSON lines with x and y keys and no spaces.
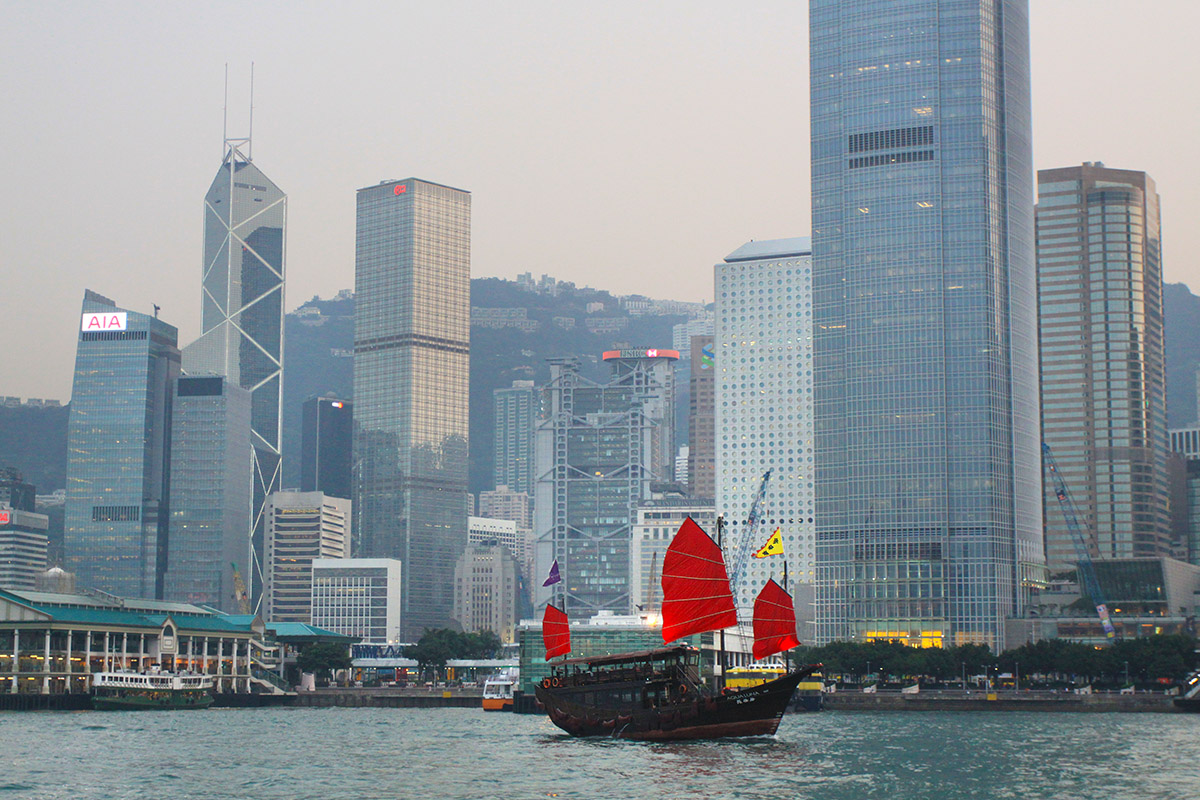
{"x":575,"y":707}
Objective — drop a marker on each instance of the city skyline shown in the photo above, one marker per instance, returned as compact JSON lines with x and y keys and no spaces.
{"x":540,"y":160}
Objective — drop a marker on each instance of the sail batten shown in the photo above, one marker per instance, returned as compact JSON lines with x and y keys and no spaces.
{"x":774,"y":621}
{"x":695,"y":583}
{"x":556,"y":632}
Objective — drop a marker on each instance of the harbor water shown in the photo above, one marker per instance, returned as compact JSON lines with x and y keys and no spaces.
{"x":352,"y":753}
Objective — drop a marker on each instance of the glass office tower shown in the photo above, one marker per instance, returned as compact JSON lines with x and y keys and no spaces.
{"x":600,"y":446}
{"x":326,"y":443}
{"x":245,"y":218}
{"x":1100,"y":293}
{"x":114,"y":529}
{"x":210,"y":493}
{"x":516,"y":413}
{"x":928,"y":478}
{"x":412,"y":285}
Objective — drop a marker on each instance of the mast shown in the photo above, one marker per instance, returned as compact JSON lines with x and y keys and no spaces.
{"x":786,"y":665}
{"x":721,"y":647}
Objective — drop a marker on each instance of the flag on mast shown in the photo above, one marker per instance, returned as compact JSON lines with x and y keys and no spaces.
{"x":554,"y":576}
{"x":773,"y":547}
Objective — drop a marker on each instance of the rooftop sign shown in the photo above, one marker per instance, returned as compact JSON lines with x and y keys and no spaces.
{"x":106,"y":321}
{"x":648,"y":353}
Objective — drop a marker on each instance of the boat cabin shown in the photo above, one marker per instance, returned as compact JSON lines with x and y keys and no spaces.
{"x":646,"y":679}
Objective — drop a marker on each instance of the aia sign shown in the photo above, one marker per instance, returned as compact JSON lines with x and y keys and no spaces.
{"x":107,"y":321}
{"x":400,"y":189}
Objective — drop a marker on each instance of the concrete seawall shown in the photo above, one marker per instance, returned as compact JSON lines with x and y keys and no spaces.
{"x":1005,"y":701}
{"x":385,"y":698}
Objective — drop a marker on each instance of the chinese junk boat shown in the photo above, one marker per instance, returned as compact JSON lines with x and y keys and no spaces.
{"x":658,"y":694}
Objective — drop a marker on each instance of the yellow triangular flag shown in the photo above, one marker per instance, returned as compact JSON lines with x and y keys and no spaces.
{"x":773,"y":547}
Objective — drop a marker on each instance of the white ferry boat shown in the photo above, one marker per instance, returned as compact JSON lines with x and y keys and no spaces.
{"x":498,"y":690}
{"x":127,"y":690}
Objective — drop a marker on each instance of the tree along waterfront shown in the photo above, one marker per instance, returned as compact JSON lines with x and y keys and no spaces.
{"x":1151,"y":660}
{"x":439,"y":645}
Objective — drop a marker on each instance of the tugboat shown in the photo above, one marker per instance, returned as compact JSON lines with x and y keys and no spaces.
{"x":132,"y":691}
{"x":657,"y":694}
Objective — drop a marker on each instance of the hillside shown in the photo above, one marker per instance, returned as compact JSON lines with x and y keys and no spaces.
{"x":34,"y":440}
{"x":527,"y":328}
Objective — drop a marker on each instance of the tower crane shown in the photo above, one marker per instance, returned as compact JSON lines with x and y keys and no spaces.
{"x":1087,"y":572}
{"x":746,"y":542}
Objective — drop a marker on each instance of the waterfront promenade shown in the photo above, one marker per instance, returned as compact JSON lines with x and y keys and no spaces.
{"x":1007,"y":700}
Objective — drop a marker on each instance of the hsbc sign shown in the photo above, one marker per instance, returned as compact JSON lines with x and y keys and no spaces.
{"x":5,"y":517}
{"x":108,"y":321}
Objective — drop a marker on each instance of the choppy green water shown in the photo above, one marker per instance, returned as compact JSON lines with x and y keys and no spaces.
{"x":336,"y":754}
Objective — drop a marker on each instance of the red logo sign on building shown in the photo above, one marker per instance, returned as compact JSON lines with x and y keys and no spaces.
{"x":400,"y":189}
{"x":107,"y":321}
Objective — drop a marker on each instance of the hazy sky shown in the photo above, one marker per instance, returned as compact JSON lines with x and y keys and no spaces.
{"x":623,"y":145}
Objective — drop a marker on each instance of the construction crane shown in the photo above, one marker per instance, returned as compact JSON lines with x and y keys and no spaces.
{"x":747,"y":541}
{"x":239,"y":590}
{"x":1087,"y":572}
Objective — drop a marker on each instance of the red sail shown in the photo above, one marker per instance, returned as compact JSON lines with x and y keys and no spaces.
{"x":556,"y":633}
{"x":774,"y":621}
{"x":696,"y":596}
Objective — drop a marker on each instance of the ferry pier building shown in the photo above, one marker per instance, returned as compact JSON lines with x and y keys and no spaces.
{"x":52,"y":643}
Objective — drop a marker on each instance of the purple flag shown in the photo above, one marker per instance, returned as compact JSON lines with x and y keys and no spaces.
{"x":553,"y":577}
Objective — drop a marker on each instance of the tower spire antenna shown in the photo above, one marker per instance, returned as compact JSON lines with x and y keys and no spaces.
{"x":225,"y":114}
{"x":238,"y":148}
{"x":250,"y":133}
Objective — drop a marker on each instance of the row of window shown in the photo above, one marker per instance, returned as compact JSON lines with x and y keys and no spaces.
{"x":907,"y":157}
{"x":891,"y":139}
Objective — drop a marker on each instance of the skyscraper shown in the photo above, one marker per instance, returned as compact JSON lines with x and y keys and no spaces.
{"x":210,"y":492}
{"x":411,"y":368}
{"x":928,"y":474}
{"x":301,"y":527}
{"x":702,"y":452}
{"x":516,"y":412}
{"x":326,"y":438}
{"x":245,"y":220}
{"x":681,"y":340}
{"x":599,"y":448}
{"x":1100,"y":313}
{"x":115,"y":524}
{"x":486,"y":593}
{"x":763,"y":409}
